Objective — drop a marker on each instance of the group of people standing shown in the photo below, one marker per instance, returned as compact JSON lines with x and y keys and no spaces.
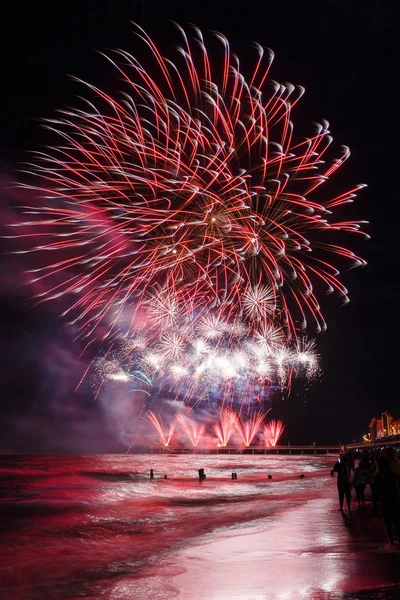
{"x":380,"y":471}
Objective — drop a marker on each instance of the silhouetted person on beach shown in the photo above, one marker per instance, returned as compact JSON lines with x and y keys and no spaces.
{"x":360,"y":479}
{"x":350,"y":461}
{"x":373,"y":470}
{"x":343,"y":481}
{"x":394,"y":462}
{"x":388,"y":486}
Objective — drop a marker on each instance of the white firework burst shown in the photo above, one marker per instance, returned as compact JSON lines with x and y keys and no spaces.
{"x":307,"y":356}
{"x":178,"y":371}
{"x":212,"y":327}
{"x":264,"y":369}
{"x":282,"y":356}
{"x":306,"y":350}
{"x":259,"y":302}
{"x":269,"y":337}
{"x":200,"y":346}
{"x":153,"y":360}
{"x":239,"y":358}
{"x":164,"y":309}
{"x":172,"y":346}
{"x":238,"y":329}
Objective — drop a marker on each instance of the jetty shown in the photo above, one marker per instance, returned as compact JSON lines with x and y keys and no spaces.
{"x":376,"y":445}
{"x":287,"y":449}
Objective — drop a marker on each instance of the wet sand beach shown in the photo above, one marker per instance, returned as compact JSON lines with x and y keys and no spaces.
{"x":306,"y":552}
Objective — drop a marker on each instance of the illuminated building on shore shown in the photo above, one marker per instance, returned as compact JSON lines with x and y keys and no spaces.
{"x":382,"y":427}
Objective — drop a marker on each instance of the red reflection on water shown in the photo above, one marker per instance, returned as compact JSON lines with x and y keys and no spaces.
{"x":98,"y":527}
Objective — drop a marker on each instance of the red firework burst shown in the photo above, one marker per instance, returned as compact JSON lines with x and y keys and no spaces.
{"x":191,"y":182}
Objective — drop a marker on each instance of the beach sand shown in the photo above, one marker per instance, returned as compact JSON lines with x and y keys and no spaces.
{"x":307,"y":553}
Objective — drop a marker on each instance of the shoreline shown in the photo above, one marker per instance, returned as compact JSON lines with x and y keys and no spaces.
{"x":305,"y":552}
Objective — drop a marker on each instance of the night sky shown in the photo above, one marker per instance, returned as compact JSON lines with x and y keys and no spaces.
{"x":345,"y":54}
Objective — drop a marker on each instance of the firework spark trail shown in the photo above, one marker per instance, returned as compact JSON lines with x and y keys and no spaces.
{"x":158,"y":425}
{"x":249,"y":428}
{"x":112,"y":370}
{"x":228,"y":422}
{"x":225,"y":426}
{"x":272,"y":432}
{"x":193,"y":431}
{"x":307,"y":356}
{"x":191,"y":183}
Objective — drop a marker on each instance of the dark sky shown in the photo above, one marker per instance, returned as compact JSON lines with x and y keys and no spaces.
{"x":345,"y":54}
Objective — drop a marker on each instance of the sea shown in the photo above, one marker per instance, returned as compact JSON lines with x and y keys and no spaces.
{"x":99,"y":527}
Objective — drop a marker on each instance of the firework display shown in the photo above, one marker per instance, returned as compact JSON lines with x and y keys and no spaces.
{"x":249,"y":427}
{"x":164,"y":436}
{"x":192,"y":179}
{"x":183,"y":226}
{"x":229,"y":428}
{"x":193,"y":431}
{"x":225,"y":426}
{"x":201,"y":359}
{"x":272,"y":432}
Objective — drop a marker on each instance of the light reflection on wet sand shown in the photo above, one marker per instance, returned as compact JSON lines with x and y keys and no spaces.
{"x":307,"y":553}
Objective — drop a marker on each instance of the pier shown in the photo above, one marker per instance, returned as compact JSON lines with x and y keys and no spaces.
{"x":288,"y":449}
{"x":376,"y":445}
